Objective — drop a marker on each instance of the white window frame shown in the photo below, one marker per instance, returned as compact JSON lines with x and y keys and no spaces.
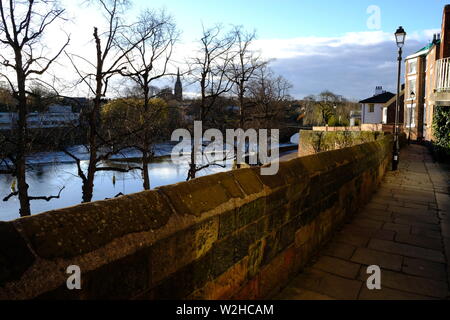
{"x":410,"y":63}
{"x":408,"y":93}
{"x":384,"y":115}
{"x":408,"y":117}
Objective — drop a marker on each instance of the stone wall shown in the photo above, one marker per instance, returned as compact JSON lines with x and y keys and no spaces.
{"x":312,"y":142}
{"x":363,"y":127}
{"x":230,"y":235}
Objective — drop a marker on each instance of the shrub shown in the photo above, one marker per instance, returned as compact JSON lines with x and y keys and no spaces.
{"x":332,"y":122}
{"x":441,"y":128}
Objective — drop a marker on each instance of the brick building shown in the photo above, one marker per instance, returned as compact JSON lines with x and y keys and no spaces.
{"x":427,"y":80}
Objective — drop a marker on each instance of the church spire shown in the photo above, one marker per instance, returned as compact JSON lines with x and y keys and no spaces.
{"x":178,"y":87}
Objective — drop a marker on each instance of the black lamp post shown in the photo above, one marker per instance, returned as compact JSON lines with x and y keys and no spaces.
{"x":413,"y":98}
{"x":400,"y":36}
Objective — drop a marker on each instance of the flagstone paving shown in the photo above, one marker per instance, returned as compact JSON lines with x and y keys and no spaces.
{"x":405,"y":230}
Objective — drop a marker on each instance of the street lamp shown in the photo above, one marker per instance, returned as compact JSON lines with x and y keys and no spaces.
{"x":413,"y":98}
{"x":400,"y":36}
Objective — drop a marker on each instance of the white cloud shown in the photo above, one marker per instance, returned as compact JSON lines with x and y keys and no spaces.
{"x":304,"y":46}
{"x":351,"y":64}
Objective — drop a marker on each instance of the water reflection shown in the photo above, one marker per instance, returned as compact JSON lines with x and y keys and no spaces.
{"x":47,"y":179}
{"x":51,"y":171}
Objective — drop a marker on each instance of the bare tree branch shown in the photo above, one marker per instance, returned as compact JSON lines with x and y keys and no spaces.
{"x":22,"y":26}
{"x":48,"y":199}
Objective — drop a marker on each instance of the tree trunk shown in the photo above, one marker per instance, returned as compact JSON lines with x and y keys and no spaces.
{"x":25,"y":209}
{"x":88,"y":189}
{"x":22,"y":140}
{"x":145,"y":175}
{"x":147,"y":138}
{"x":192,"y":166}
{"x":241,"y":105}
{"x":88,"y":183}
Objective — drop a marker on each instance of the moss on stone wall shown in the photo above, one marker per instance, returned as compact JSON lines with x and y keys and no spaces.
{"x":230,"y":235}
{"x":319,"y":141}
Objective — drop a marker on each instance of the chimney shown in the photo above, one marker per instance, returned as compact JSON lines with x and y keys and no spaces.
{"x":378,"y":90}
{"x":434,"y":39}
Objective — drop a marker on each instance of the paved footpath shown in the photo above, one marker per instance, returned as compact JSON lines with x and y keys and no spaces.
{"x":405,"y":230}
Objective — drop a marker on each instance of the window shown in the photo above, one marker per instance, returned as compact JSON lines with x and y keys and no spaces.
{"x":410,"y":115}
{"x":411,"y":87}
{"x":412,"y":66}
{"x":371,"y":107}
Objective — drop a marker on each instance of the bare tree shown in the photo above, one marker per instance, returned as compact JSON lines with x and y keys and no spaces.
{"x":326,"y":105}
{"x":269,"y":95}
{"x":243,"y":68}
{"x":109,"y":62}
{"x":152,"y":39}
{"x":209,"y":70}
{"x":327,"y":108}
{"x":307,"y":105}
{"x":22,"y":27}
{"x":7,"y":101}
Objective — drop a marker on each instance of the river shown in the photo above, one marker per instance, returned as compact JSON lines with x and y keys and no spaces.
{"x":50,"y":171}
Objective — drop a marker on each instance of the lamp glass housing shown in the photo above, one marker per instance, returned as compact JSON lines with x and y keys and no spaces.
{"x":400,"y":36}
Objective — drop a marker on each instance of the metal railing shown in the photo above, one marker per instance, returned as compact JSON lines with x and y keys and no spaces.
{"x":443,"y":75}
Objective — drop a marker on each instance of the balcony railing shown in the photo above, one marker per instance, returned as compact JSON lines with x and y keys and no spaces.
{"x":443,"y":75}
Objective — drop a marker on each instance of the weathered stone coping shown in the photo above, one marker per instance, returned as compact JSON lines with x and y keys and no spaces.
{"x":217,"y":222}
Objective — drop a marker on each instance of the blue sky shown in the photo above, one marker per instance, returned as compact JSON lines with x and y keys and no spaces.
{"x":300,"y":18}
{"x":316,"y":44}
{"x":349,"y":68}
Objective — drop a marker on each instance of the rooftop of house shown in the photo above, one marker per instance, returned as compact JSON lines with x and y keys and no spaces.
{"x":393,"y":100}
{"x":429,"y":46}
{"x":379,"y":98}
{"x":425,"y":50}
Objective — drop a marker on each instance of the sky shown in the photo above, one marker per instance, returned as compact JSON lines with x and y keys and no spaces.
{"x":335,"y":44}
{"x":346,"y":46}
{"x":338,"y":45}
{"x":284,"y":19}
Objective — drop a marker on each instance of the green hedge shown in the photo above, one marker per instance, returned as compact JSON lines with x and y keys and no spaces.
{"x":441,"y":128}
{"x":322,"y":141}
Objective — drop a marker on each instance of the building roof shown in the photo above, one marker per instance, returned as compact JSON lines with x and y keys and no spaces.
{"x":394,"y":98}
{"x":424,"y":51}
{"x":429,"y":46}
{"x":380,"y":98}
